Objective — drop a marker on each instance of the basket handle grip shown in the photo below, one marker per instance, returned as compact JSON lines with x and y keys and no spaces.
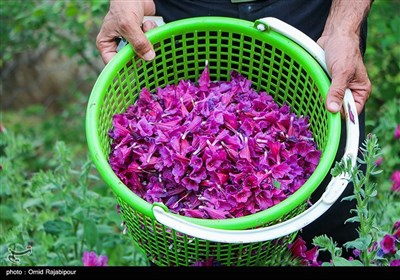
{"x":279,"y":26}
{"x":332,"y":192}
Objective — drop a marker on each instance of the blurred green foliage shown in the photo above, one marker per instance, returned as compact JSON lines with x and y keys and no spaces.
{"x":61,"y":210}
{"x":382,"y":59}
{"x":382,"y":56}
{"x":68,"y":25}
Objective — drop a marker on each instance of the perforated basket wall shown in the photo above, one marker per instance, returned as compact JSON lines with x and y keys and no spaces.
{"x":274,"y":64}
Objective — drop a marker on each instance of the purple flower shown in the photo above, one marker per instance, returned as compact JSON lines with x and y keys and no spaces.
{"x":155,"y":190}
{"x":379,"y":161}
{"x":388,"y":244}
{"x":280,"y":170}
{"x":397,"y":132}
{"x":190,"y":184}
{"x":198,"y":175}
{"x":214,"y":213}
{"x":180,"y":167}
{"x":208,"y":262}
{"x":214,"y":158}
{"x":144,"y":127}
{"x":192,"y":126}
{"x":264,"y":199}
{"x":299,"y":250}
{"x":395,"y":262}
{"x":395,"y":181}
{"x":356,"y":253}
{"x":396,"y":229}
{"x":91,"y":259}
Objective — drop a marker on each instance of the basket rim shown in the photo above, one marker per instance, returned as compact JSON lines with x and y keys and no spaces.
{"x":277,"y":211}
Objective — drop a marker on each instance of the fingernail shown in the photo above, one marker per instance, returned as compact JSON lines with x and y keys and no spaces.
{"x":149,"y":55}
{"x":334,"y":106}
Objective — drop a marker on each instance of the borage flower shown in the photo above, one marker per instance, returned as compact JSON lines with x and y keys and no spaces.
{"x":394,"y":262}
{"x":307,"y":257}
{"x":379,"y":161}
{"x":395,"y":181}
{"x":396,"y":229}
{"x":91,"y":259}
{"x":397,"y":132}
{"x":388,"y":244}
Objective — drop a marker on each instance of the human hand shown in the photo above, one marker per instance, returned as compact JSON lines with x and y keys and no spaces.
{"x":347,"y":69}
{"x":125,"y":19}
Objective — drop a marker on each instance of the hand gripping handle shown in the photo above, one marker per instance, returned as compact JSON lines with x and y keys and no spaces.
{"x":332,"y":192}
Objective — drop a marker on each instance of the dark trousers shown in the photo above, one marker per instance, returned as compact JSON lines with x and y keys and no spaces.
{"x":309,"y":17}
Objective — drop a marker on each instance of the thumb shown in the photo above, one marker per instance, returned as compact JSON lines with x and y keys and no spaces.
{"x":335,"y":96}
{"x":140,"y":43}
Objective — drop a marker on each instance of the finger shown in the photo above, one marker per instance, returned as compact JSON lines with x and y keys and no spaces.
{"x":142,"y":46}
{"x":359,"y":107}
{"x":335,"y":96}
{"x":106,"y":46}
{"x":148,"y":25}
{"x":360,"y":95}
{"x":361,"y":89}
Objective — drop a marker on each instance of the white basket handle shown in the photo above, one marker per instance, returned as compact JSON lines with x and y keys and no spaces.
{"x":332,"y":192}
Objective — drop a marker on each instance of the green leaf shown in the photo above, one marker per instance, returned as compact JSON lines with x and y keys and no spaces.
{"x":353,"y":219}
{"x":7,"y":213}
{"x":78,"y":213}
{"x":277,"y":184}
{"x":57,"y":227}
{"x":105,"y":230}
{"x":90,"y":233}
{"x":374,"y":173}
{"x":38,"y":12}
{"x":32,"y":202}
{"x":66,"y":242}
{"x":361,"y":244}
{"x":322,"y":241}
{"x":339,"y":261}
{"x":349,"y":198}
{"x":75,"y":263}
{"x":326,"y":264}
{"x":71,"y":11}
{"x":374,"y":193}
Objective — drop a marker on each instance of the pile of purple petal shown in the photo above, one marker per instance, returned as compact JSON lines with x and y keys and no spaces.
{"x":212,"y":149}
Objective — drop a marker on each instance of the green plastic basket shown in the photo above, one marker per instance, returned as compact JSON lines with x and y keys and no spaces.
{"x":275,"y":64}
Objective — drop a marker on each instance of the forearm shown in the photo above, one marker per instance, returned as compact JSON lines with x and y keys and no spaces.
{"x":347,"y":16}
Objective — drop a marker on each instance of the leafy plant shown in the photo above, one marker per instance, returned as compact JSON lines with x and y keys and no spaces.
{"x":382,"y":58}
{"x":365,"y":191}
{"x":60,"y":212}
{"x":68,"y":25}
